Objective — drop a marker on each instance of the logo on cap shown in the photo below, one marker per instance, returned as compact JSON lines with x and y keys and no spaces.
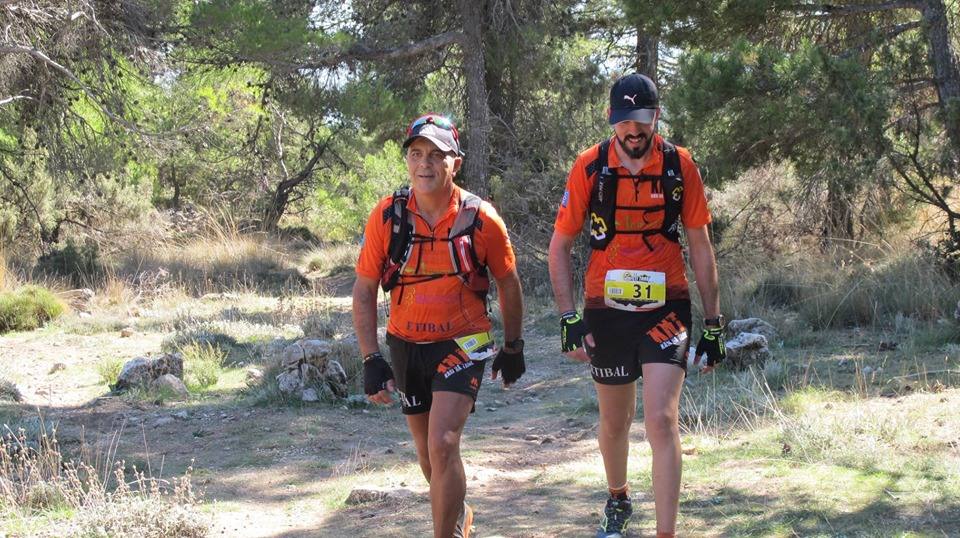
{"x":631,"y":99}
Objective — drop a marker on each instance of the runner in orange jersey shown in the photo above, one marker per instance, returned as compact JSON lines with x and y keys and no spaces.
{"x":433,"y":247}
{"x":637,"y":190}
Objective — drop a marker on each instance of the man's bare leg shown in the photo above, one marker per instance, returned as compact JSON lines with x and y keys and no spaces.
{"x":661,"y":408}
{"x":618,"y":405}
{"x":418,"y":425}
{"x":448,"y":483}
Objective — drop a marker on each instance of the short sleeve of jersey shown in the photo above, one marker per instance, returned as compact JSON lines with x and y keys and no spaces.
{"x":694,"y":213}
{"x":493,"y":243}
{"x":373,"y":253}
{"x":576,"y":196}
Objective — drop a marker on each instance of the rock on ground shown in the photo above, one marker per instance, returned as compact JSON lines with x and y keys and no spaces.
{"x":142,"y":371}
{"x":751,"y":325}
{"x":254,"y":375}
{"x":308,"y":371}
{"x":373,"y":494}
{"x":747,"y":349}
{"x":170,"y":384}
{"x":135,"y":373}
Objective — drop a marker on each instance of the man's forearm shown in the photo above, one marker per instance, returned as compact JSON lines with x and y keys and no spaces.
{"x":561,"y":277}
{"x":705,"y":268}
{"x":365,"y":319}
{"x":511,"y":306}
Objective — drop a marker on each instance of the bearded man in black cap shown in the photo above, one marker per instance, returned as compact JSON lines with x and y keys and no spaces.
{"x":639,"y":191}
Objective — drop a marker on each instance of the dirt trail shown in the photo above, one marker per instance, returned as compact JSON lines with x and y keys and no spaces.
{"x":284,"y":471}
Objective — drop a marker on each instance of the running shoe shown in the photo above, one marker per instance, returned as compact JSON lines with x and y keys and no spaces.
{"x":616,"y":517}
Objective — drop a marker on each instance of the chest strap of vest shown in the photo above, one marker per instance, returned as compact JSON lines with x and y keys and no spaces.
{"x":603,"y":197}
{"x":403,"y":239}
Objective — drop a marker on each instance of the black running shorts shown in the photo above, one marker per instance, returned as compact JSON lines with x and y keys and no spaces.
{"x":627,"y":340}
{"x":422,"y":369}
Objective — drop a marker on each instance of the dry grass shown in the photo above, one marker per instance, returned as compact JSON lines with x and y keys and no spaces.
{"x":43,"y":492}
{"x":332,"y":259}
{"x":720,"y":404}
{"x":222,"y":257}
{"x":117,"y":292}
{"x":9,"y":280}
{"x":870,"y":286}
{"x":774,"y":259}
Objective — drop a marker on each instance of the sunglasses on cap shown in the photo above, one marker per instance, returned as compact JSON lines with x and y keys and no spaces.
{"x":432,"y":119}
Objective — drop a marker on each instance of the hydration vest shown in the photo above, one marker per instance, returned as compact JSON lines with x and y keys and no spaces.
{"x":459,"y":240}
{"x":603,"y":198}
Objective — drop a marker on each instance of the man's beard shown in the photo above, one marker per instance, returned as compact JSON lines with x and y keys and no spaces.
{"x":636,"y":153}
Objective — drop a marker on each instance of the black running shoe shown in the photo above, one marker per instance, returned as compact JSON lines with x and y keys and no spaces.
{"x":465,"y":523}
{"x":616,"y":517}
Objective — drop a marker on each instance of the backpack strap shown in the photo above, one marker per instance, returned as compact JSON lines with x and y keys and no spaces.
{"x":463,"y":252}
{"x":671,"y":182}
{"x":603,"y":199}
{"x":467,"y":216}
{"x":401,"y":233}
{"x":401,"y":227}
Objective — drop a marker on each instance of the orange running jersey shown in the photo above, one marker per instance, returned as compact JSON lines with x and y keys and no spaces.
{"x":628,"y":251}
{"x":443,"y":308}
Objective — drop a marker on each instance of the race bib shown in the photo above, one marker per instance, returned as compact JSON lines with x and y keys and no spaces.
{"x":477,"y":346}
{"x":634,"y":291}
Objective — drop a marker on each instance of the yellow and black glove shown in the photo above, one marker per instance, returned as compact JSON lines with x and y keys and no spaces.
{"x":572,"y":331}
{"x":711,"y":344}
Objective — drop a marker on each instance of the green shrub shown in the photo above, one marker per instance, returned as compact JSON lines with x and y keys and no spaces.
{"x":202,"y":364}
{"x":81,"y":264}
{"x":27,"y":308}
{"x":109,"y":370}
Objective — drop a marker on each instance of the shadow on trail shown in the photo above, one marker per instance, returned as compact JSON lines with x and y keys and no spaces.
{"x":532,"y":512}
{"x":736,"y":512}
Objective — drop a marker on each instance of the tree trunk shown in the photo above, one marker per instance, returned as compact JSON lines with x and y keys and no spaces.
{"x":946,"y":67}
{"x":277,"y":206}
{"x":175,"y":203}
{"x":838,"y":222}
{"x":280,"y":198}
{"x":476,"y":165}
{"x":647,"y":55}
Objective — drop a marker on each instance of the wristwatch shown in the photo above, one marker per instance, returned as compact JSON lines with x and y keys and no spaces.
{"x":374,"y":355}
{"x":515,"y":345}
{"x":714,"y":322}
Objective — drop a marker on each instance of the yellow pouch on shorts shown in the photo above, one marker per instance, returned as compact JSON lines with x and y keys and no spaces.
{"x":634,"y":291}
{"x":478,"y":346}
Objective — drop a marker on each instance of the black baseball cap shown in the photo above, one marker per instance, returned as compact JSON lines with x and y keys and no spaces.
{"x":633,"y":98}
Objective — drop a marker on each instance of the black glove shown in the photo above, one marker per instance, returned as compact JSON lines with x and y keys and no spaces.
{"x":376,"y":373}
{"x":511,"y":363}
{"x":711,"y":343}
{"x":572,"y":331}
